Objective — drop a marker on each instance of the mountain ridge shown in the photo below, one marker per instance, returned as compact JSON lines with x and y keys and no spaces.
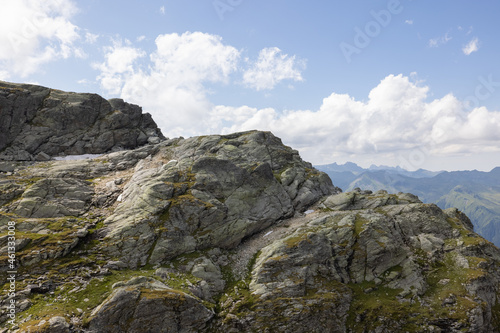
{"x":439,"y":189}
{"x":231,"y":233}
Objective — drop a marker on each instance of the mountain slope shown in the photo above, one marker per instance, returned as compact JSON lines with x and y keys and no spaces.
{"x":481,"y":204}
{"x":206,"y":234}
{"x":475,"y":193}
{"x":230,"y":233}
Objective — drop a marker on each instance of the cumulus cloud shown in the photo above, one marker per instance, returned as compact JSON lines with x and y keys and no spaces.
{"x":35,"y":32}
{"x":195,"y":57}
{"x":396,"y":117}
{"x":170,"y":84}
{"x":472,"y":46}
{"x":173,"y":82}
{"x":119,"y":64}
{"x":271,"y":68}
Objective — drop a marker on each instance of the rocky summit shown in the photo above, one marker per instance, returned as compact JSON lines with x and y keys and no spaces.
{"x":37,"y":123}
{"x":228,"y":233}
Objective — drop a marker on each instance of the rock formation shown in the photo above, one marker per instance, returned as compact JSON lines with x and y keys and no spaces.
{"x":233,"y":233}
{"x":38,"y":122}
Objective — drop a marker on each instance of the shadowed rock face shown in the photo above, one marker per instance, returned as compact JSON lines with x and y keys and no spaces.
{"x":230,"y":233}
{"x":38,"y":122}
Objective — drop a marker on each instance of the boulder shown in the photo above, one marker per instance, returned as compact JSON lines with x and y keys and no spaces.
{"x":146,"y":305}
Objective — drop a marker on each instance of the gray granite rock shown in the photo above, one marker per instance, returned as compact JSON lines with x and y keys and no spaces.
{"x":39,"y":122}
{"x":145,"y":305}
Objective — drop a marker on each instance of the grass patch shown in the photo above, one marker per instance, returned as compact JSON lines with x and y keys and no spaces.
{"x":371,"y":303}
{"x":66,"y":301}
{"x":293,"y":241}
{"x":359,"y":225}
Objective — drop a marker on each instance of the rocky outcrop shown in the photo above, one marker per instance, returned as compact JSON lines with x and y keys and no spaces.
{"x":178,"y":196}
{"x":400,"y":264}
{"x":210,"y":192}
{"x":233,"y":233}
{"x":39,"y":122}
{"x":147,"y":305}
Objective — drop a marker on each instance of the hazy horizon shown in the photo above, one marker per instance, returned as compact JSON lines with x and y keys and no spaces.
{"x":395,"y":166}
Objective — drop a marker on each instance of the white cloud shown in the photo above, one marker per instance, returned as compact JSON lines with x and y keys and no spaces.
{"x":84,"y":82}
{"x":271,"y":68}
{"x":396,"y":117}
{"x":120,"y":58}
{"x":162,"y":10}
{"x":472,"y":46}
{"x":91,"y":38}
{"x":409,"y":22}
{"x":433,"y":42}
{"x":172,"y":82}
{"x":119,"y":63}
{"x":436,"y":42}
{"x":4,"y":75}
{"x":35,"y":32}
{"x":171,"y":85}
{"x":195,"y":57}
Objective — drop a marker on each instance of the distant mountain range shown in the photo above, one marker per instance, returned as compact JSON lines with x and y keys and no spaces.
{"x":475,"y":193}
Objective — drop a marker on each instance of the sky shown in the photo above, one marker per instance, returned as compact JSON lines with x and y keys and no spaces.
{"x":406,"y":83}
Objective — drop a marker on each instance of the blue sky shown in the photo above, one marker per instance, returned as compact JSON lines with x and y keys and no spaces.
{"x":408,"y":83}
